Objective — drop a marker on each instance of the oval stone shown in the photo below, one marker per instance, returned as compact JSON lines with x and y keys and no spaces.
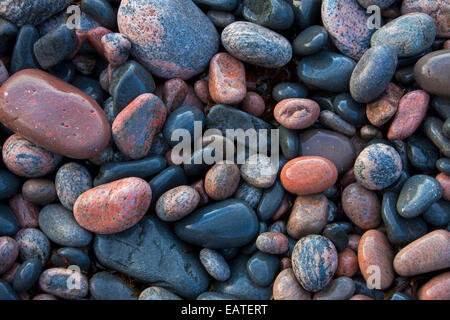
{"x":347,"y":263}
{"x":428,"y":72}
{"x":375,"y":253}
{"x":241,"y":38}
{"x":428,"y":253}
{"x":444,"y":180}
{"x":9,"y":184}
{"x":39,"y":191}
{"x":308,"y":175}
{"x":308,"y":216}
{"x":438,"y":288}
{"x":263,"y":268}
{"x":215,"y":264}
{"x":437,"y":9}
{"x":72,"y":179}
{"x":71,"y":124}
{"x":9,"y":250}
{"x":54,"y":281}
{"x":296,"y":113}
{"x":222,"y":180}
{"x":33,"y":243}
{"x":361,"y":206}
{"x":226,"y":224}
{"x":167,"y":49}
{"x":113,"y":207}
{"x":27,"y":275}
{"x":341,"y":288}
{"x":177,"y":203}
{"x":272,"y":242}
{"x":314,"y":261}
{"x":105,"y":286}
{"x":26,"y":212}
{"x":286,"y":287}
{"x":259,"y":171}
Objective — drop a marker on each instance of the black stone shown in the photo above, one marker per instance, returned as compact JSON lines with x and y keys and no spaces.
{"x":274,"y":14}
{"x":27,"y":275}
{"x":262,"y":268}
{"x":8,"y":34}
{"x":349,"y":109}
{"x":306,"y":12}
{"x":9,"y":184}
{"x":310,"y":41}
{"x":6,"y":292}
{"x":89,"y":86}
{"x":270,"y":201}
{"x":287,"y":90}
{"x":101,"y":11}
{"x":288,"y":142}
{"x":67,"y":256}
{"x":167,"y":179}
{"x":8,"y":221}
{"x":337,"y":235}
{"x":422,"y":154}
{"x":438,"y":214}
{"x":22,"y":56}
{"x":432,"y":128}
{"x":182,"y":118}
{"x":64,"y":70}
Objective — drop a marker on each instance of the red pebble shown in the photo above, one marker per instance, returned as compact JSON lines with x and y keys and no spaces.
{"x":27,"y":213}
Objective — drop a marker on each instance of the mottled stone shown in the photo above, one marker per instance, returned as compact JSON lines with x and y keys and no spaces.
{"x":259,"y":171}
{"x":385,"y":106}
{"x":54,"y":281}
{"x":222,"y":180}
{"x":428,"y":253}
{"x":272,"y":242}
{"x":39,"y":191}
{"x":428,"y":72}
{"x":9,"y":251}
{"x":444,"y":180}
{"x":383,"y":4}
{"x":308,"y":216}
{"x":167,"y":49}
{"x":71,"y":124}
{"x":72,"y":179}
{"x":253,"y":104}
{"x":241,"y":38}
{"x":296,"y":113}
{"x":158,"y":293}
{"x":438,"y":288}
{"x":116,"y":48}
{"x":347,"y":263}
{"x":251,"y":195}
{"x":33,"y":244}
{"x":361,"y":206}
{"x":432,"y":127}
{"x":177,"y":203}
{"x":174,"y":92}
{"x":334,"y":122}
{"x":286,"y":287}
{"x":437,"y":9}
{"x":215,"y":264}
{"x":314,"y":261}
{"x":25,"y":211}
{"x":27,"y":275}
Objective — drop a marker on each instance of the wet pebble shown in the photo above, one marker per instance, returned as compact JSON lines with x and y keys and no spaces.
{"x":270,"y":201}
{"x":337,"y":234}
{"x":253,"y":104}
{"x":296,"y":113}
{"x":444,"y":180}
{"x":9,"y":250}
{"x":263,"y":268}
{"x":105,"y":286}
{"x":26,"y":212}
{"x":215,"y":264}
{"x":341,"y":288}
{"x":438,"y":288}
{"x":67,"y":256}
{"x":27,"y":275}
{"x":428,"y":72}
{"x":54,"y":281}
{"x":9,"y":184}
{"x":33,"y":243}
{"x":288,"y":90}
{"x":222,"y":180}
{"x":308,"y":216}
{"x":347,"y":263}
{"x":332,"y":121}
{"x":310,"y":41}
{"x":8,"y":221}
{"x":272,"y":242}
{"x":422,"y":154}
{"x":432,"y":127}
{"x":221,"y":19}
{"x":274,"y":14}
{"x":22,"y":56}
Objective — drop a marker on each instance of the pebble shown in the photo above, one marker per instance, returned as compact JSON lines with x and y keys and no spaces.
{"x":405,"y":75}
{"x":360,"y":297}
{"x":438,"y":288}
{"x":240,"y":285}
{"x":375,"y":252}
{"x":349,"y":110}
{"x":59,"y":225}
{"x":435,"y":8}
{"x":332,"y":121}
{"x":113,"y":207}
{"x":22,"y":56}
{"x":426,"y":254}
{"x":106,"y":286}
{"x":215,"y":264}
{"x":226,"y":5}
{"x":44,"y":296}
{"x":262,"y":268}
{"x":272,"y":242}
{"x":9,"y":184}
{"x":249,"y":194}
{"x":341,"y":288}
{"x":361,"y":206}
{"x":443,"y":165}
{"x":141,"y":168}
{"x":158,"y":293}
{"x":26,"y":212}
{"x":380,"y":62}
{"x":8,"y":34}
{"x":101,"y":11}
{"x":6,"y":292}
{"x":168,"y":50}
{"x":9,"y":250}
{"x":288,"y":90}
{"x":116,"y":48}
{"x":400,"y":296}
{"x":353,"y":241}
{"x":411,"y":111}
{"x":174,"y":92}
{"x":306,"y":12}
{"x":33,"y":243}
{"x":129,"y":81}
{"x":26,"y":159}
{"x":308,"y":216}
{"x":221,"y":19}
{"x":378,"y":166}
{"x":39,"y":191}
{"x":347,"y":263}
{"x":428,"y":72}
{"x":444,"y":180}
{"x":55,"y":46}
{"x":432,"y":127}
{"x":286,"y":287}
{"x":8,"y":221}
{"x":136,"y":125}
{"x":400,"y":231}
{"x":337,"y":234}
{"x":240,"y":38}
{"x":182,"y":118}
{"x":72,"y":179}
{"x":54,"y":281}
{"x":296,"y":113}
{"x":289,"y":142}
{"x":259,"y":171}
{"x":76,"y":127}
{"x":226,"y":224}
{"x":351,"y":39}
{"x":310,"y":41}
{"x":253,"y":104}
{"x":383,"y":4}
{"x":270,"y":201}
{"x":201,"y":89}
{"x":326,"y":70}
{"x":95,"y":36}
{"x":314,"y":262}
{"x":422,"y":154}
{"x":177,"y":203}
{"x":64,"y":257}
{"x":27,"y":275}
{"x":308,"y":175}
{"x":330,"y":145}
{"x":222,"y":180}
{"x":418,"y":193}
{"x":167,"y":179}
{"x":274,"y":14}
{"x":409,"y":34}
{"x":161,"y":256}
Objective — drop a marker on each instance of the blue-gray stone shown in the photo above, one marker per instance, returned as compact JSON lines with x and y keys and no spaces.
{"x":270,"y":201}
{"x":262,"y":268}
{"x":438,"y":214}
{"x":72,"y":179}
{"x":306,"y":12}
{"x":64,"y":257}
{"x":310,"y":41}
{"x":105,"y":286}
{"x":250,"y":194}
{"x":288,"y":142}
{"x":158,"y":293}
{"x":215,"y":264}
{"x":287,"y":90}
{"x":9,"y":184}
{"x":274,"y":14}
{"x":225,"y":5}
{"x":89,"y":86}
{"x":101,"y":11}
{"x":211,"y":295}
{"x":22,"y":56}
{"x":422,"y":154}
{"x":8,"y":34}
{"x":8,"y":221}
{"x":27,"y":275}
{"x":182,"y":118}
{"x":33,"y":243}
{"x":167,"y":179}
{"x":6,"y":292}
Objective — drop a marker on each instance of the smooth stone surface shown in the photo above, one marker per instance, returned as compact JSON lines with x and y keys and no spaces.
{"x":113,"y":207}
{"x":411,"y":111}
{"x":105,"y":286}
{"x":422,"y":154}
{"x":437,"y":9}
{"x":167,"y":179}
{"x":176,"y":203}
{"x":174,"y":93}
{"x":378,"y":166}
{"x":6,"y":292}
{"x":22,"y":56}
{"x":334,"y":122}
{"x":225,"y":224}
{"x":286,"y":287}
{"x":182,"y":118}
{"x":33,"y":243}
{"x":380,"y":62}
{"x":54,"y":281}
{"x":241,"y":38}
{"x":9,"y":250}
{"x":438,"y":214}
{"x":432,"y":127}
{"x":221,"y":19}
{"x":222,"y":180}
{"x":287,"y":90}
{"x":428,"y":253}
{"x":8,"y":221}
{"x":39,"y":191}
{"x":400,"y":231}
{"x":438,"y":288}
{"x":274,"y":14}
{"x":27,"y":275}
{"x":349,"y":110}
{"x":442,"y":164}
{"x":60,"y":226}
{"x":418,"y":193}
{"x":64,"y":257}
{"x":383,"y":4}
{"x":385,"y":106}
{"x":9,"y":184}
{"x":428,"y":72}
{"x":89,"y":86}
{"x":361,"y":206}
{"x":272,"y":242}
{"x":337,"y":234}
{"x":8,"y":34}
{"x":288,"y":142}
{"x":161,"y":258}
{"x":308,"y":175}
{"x":101,"y":11}
{"x":306,"y":12}
{"x":226,"y":5}
{"x":347,"y":262}
{"x":409,"y":34}
{"x":310,"y":41}
{"x":444,"y":180}
{"x":374,"y":250}
{"x":351,"y":39}
{"x":249,"y":194}
{"x":240,"y":285}
{"x":253,"y":104}
{"x":72,"y":124}
{"x":314,"y":262}
{"x":167,"y":49}
{"x":270,"y":201}
{"x":326,"y":70}
{"x":72,"y":179}
{"x":259,"y":171}
{"x":262,"y":268}
{"x":341,"y":288}
{"x":215,"y":264}
{"x":296,"y":113}
{"x":158,"y":293}
{"x":308,"y":216}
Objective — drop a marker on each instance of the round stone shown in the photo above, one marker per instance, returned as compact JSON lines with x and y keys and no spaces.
{"x":308,"y":216}
{"x":259,"y":171}
{"x":347,"y":263}
{"x":72,"y":179}
{"x":253,"y":104}
{"x":222,"y":180}
{"x":33,"y":243}
{"x":272,"y":242}
{"x":215,"y":264}
{"x":9,"y":250}
{"x":361,"y":206}
{"x":116,"y":48}
{"x":262,"y":268}
{"x":296,"y":113}
{"x":310,"y":41}
{"x":438,"y":288}
{"x":54,"y":281}
{"x":26,"y":212}
{"x":286,"y":287}
{"x":39,"y":191}
{"x":428,"y":72}
{"x":177,"y":203}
